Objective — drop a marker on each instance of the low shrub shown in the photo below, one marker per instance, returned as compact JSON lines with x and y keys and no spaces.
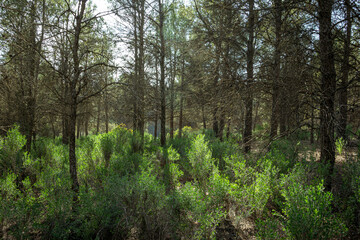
{"x":307,"y":213}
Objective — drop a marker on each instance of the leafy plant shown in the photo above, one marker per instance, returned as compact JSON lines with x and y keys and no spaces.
{"x":201,"y":161}
{"x":107,"y":147}
{"x":340,"y":144}
{"x":307,"y":213}
{"x":10,"y":151}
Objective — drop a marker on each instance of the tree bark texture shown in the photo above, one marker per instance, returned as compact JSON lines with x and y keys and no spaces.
{"x":328,"y":87}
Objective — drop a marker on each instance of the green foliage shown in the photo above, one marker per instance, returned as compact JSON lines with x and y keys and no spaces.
{"x":269,"y":229}
{"x":174,"y":170}
{"x":199,"y":217}
{"x":106,"y":143}
{"x":221,"y":149}
{"x":307,"y":213}
{"x":284,"y":153}
{"x":132,"y":195}
{"x":10,"y":151}
{"x":348,"y":196}
{"x":340,"y":144}
{"x":253,"y":189}
{"x":201,"y":161}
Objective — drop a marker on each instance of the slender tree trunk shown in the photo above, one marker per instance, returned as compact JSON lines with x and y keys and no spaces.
{"x":228,"y":128}
{"x":221,"y":124}
{"x":136,"y":68}
{"x":78,"y":128}
{"x":98,"y":116}
{"x":73,"y":101}
{"x":257,"y":105}
{"x":172,"y":96}
{"x":86,"y":124}
{"x":276,"y":76}
{"x":328,"y":87}
{"x":216,"y":87}
{"x":343,"y":95}
{"x":141,"y":87}
{"x":106,"y":108}
{"x":156,"y":98}
{"x":312,"y":126}
{"x":181,"y":97}
{"x":250,"y":79}
{"x":162,"y":75}
{"x":203,"y":116}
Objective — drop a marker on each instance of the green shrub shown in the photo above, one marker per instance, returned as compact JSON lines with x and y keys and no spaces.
{"x":340,"y":144}
{"x":106,"y":143}
{"x":198,"y":216}
{"x":10,"y":151}
{"x":347,"y":196}
{"x":290,"y":150}
{"x":129,"y":206}
{"x":201,"y":161}
{"x":174,"y":170}
{"x":269,"y":229}
{"x":253,"y":189}
{"x":20,"y":210}
{"x":182,"y":146}
{"x":307,"y":213}
{"x":222,"y":149}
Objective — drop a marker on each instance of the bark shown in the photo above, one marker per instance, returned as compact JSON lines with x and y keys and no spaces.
{"x":156,"y":97}
{"x":328,"y":87}
{"x":86,"y":124}
{"x":343,"y":92}
{"x":216,"y":86}
{"x":78,"y":128}
{"x":312,"y":126}
{"x":203,"y":116}
{"x":250,"y":79}
{"x":162,"y":75}
{"x":136,"y":67}
{"x":141,"y":87}
{"x":276,"y":75}
{"x":73,"y":101}
{"x":172,"y":96}
{"x":98,"y":116}
{"x":181,"y":98}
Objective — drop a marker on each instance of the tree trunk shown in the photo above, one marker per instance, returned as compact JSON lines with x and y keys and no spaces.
{"x":250,"y":79}
{"x":106,"y":106}
{"x":78,"y":128}
{"x":328,"y":87}
{"x":216,"y":87}
{"x":181,"y":97}
{"x":136,"y":68}
{"x":172,"y":96}
{"x":73,"y":101}
{"x":156,"y":98}
{"x":141,"y":87}
{"x":312,"y":126}
{"x":162,"y":75}
{"x":203,"y":116}
{"x":343,"y":96}
{"x":276,"y":74}
{"x":98,"y":116}
{"x":86,"y":124}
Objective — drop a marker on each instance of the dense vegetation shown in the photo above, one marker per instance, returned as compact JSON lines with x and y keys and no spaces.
{"x":95,"y":96}
{"x":196,"y":187}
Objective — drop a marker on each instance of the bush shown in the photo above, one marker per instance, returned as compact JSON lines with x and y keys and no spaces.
{"x":307,"y":213}
{"x":106,"y":143}
{"x":253,"y":189}
{"x":198,"y":216}
{"x":10,"y":151}
{"x":174,"y":170}
{"x":201,"y":161}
